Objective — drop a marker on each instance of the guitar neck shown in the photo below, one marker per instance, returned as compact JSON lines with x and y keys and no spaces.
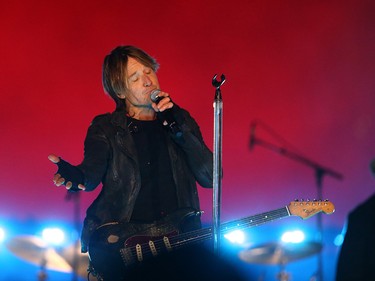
{"x":205,"y":234}
{"x":255,"y":220}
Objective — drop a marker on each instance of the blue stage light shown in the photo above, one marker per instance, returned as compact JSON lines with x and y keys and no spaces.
{"x":53,"y":236}
{"x":339,"y":239}
{"x":236,"y":237}
{"x":296,"y":236}
{"x":2,"y":234}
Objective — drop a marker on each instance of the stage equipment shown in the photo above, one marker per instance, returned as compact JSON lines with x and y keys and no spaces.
{"x":280,"y":254}
{"x":320,"y":171}
{"x":77,"y":260}
{"x":217,"y":162}
{"x":36,"y":251}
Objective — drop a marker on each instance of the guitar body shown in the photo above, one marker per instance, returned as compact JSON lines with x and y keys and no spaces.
{"x":114,"y":248}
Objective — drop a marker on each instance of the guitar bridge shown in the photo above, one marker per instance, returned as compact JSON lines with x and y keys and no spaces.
{"x":126,"y":256}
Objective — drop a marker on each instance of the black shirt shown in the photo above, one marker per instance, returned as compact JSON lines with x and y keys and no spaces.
{"x":157,"y":196}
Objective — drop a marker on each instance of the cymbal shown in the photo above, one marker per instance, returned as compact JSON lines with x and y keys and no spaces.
{"x":77,"y":260}
{"x":36,"y":251}
{"x":279,"y":253}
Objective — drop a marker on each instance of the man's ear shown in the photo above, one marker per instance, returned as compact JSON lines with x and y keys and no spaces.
{"x":121,"y":95}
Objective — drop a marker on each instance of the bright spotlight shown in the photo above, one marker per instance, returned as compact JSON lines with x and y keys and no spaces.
{"x":2,"y":234}
{"x":339,"y":239}
{"x":296,"y":236}
{"x":54,"y":236}
{"x":237,"y":236}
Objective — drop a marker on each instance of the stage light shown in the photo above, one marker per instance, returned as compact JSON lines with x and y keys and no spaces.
{"x":2,"y":234}
{"x":236,"y":237}
{"x":54,"y":236}
{"x":339,"y":239}
{"x":296,"y":236}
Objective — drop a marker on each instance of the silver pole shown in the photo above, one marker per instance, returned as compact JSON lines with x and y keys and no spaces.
{"x":217,"y":161}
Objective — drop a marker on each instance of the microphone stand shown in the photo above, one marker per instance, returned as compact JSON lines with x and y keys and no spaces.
{"x":320,"y":171}
{"x":217,"y":160}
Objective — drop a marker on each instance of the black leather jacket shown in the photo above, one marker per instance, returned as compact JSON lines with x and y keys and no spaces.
{"x":110,"y":158}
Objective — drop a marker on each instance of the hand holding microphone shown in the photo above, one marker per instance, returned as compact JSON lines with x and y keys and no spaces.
{"x":161,"y":101}
{"x":163,"y":104}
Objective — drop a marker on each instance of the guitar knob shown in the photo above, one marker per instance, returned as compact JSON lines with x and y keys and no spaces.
{"x":113,"y":239}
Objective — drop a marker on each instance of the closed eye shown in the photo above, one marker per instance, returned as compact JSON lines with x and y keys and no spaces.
{"x":134,"y":77}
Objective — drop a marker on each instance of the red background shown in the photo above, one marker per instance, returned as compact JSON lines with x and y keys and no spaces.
{"x":303,"y":68}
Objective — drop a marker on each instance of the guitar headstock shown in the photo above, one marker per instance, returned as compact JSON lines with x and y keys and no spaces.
{"x":305,"y":209}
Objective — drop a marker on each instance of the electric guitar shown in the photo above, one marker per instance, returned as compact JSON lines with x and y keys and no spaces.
{"x":114,"y":247}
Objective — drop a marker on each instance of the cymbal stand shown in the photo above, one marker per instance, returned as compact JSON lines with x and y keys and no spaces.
{"x":75,"y":196}
{"x":320,"y":171}
{"x":42,"y":274}
{"x":283,"y":275}
{"x":217,"y":162}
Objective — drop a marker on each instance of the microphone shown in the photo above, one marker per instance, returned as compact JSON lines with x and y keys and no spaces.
{"x":166,"y":116}
{"x":252,"y":135}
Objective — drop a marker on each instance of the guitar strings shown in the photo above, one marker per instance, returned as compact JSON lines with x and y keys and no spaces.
{"x":201,"y":235}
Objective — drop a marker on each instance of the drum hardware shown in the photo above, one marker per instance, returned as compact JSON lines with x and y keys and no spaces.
{"x":76,"y":259}
{"x":36,"y":251}
{"x":280,"y":254}
{"x":320,"y":172}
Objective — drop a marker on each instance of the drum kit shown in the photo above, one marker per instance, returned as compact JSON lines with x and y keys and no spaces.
{"x":280,"y":254}
{"x":34,"y":250}
{"x":70,"y":260}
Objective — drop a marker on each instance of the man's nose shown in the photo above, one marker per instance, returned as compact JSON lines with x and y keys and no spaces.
{"x":147,"y":81}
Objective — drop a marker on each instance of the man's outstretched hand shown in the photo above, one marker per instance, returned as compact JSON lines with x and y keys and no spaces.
{"x":64,"y":168}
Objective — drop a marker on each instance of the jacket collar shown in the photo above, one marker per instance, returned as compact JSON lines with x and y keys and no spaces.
{"x":118,"y":118}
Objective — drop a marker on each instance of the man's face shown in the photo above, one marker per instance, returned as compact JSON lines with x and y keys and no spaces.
{"x":141,"y":81}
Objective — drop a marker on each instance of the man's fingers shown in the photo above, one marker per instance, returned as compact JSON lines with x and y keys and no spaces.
{"x":68,"y":185}
{"x":67,"y":170}
{"x":56,"y":177}
{"x":164,"y":104}
{"x":59,"y":182}
{"x":53,"y":158}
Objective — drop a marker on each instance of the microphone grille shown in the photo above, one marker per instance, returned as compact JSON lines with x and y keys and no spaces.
{"x":154,"y":95}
